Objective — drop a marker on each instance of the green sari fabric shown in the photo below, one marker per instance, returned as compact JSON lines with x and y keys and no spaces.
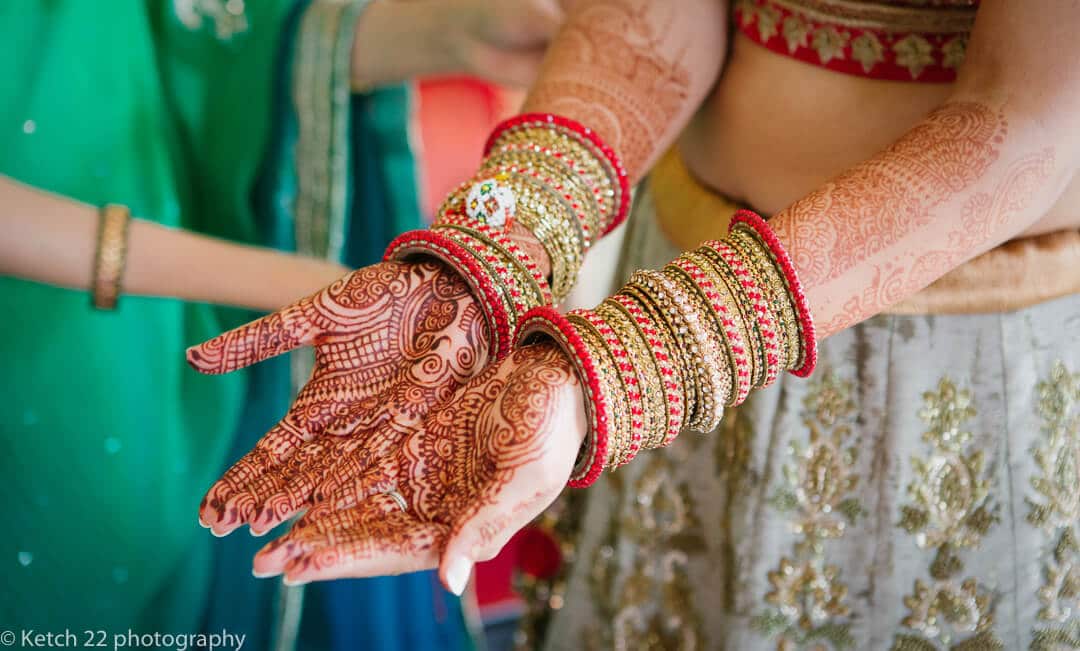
{"x":107,"y":439}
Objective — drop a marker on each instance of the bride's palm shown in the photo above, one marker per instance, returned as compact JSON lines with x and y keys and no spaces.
{"x":391,"y":341}
{"x":479,"y":467}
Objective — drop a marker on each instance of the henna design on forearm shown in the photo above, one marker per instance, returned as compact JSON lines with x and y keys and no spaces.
{"x":878,"y":233}
{"x":876,"y":203}
{"x":617,"y":68}
{"x":390,"y":341}
{"x":494,"y":432}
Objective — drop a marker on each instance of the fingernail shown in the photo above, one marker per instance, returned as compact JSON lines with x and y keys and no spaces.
{"x":219,"y":535}
{"x":263,"y":575}
{"x":288,"y":581}
{"x":457,"y":575}
{"x":258,"y":534}
{"x":202,"y":523}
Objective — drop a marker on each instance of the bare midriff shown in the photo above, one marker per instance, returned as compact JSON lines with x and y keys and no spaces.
{"x":775,"y":128}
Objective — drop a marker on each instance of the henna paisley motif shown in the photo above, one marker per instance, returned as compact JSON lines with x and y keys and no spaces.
{"x":390,"y":341}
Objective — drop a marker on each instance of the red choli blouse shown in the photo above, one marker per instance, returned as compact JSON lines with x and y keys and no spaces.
{"x":902,"y":40}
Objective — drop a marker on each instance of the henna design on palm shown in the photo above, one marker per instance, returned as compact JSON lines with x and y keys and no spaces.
{"x":479,"y":468}
{"x":391,"y":340}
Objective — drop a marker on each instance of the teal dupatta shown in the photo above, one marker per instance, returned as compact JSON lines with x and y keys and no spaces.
{"x":339,"y":181}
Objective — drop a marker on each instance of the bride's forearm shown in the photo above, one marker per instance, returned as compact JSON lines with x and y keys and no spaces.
{"x":51,"y":239}
{"x":976,"y":172}
{"x":633,"y":70}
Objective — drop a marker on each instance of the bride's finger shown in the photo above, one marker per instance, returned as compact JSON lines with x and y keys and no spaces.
{"x":331,"y":528}
{"x":283,"y":491}
{"x":228,"y":504}
{"x":272,"y":335}
{"x":395,"y":545}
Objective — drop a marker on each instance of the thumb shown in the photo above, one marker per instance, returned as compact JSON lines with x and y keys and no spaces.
{"x":253,"y":342}
{"x":482,"y":536}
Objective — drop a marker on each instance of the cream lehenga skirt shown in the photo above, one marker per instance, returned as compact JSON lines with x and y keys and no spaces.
{"x":919,"y":491}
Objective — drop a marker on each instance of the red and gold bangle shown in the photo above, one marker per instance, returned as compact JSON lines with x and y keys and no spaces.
{"x":616,"y":173}
{"x":519,"y":290}
{"x":110,"y":257}
{"x":646,"y":388}
{"x":714,"y":357}
{"x":767,"y":341}
{"x":628,"y":439}
{"x":438,"y":245}
{"x":546,"y":321}
{"x":726,"y":317}
{"x":808,"y":357}
{"x":507,"y":248}
{"x":768,"y":277}
{"x":668,"y":384}
{"x":672,"y":299}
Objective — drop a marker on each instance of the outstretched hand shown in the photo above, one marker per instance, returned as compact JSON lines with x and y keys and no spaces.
{"x":477,"y":469}
{"x":391,"y":341}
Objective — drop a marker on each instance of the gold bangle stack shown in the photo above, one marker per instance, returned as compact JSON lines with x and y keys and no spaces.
{"x":110,"y":256}
{"x":672,"y":348}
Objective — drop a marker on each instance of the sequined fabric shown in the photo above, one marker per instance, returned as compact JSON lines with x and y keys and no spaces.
{"x":918,"y":492}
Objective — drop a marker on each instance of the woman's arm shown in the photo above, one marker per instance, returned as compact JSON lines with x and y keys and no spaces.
{"x":500,"y":40}
{"x":50,"y":239}
{"x":976,"y":172}
{"x":633,"y":70}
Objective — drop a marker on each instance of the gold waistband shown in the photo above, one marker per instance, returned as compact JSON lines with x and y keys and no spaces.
{"x":1012,"y":276}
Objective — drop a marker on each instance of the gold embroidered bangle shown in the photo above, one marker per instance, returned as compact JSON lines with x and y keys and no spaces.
{"x":110,"y":256}
{"x":713,"y":356}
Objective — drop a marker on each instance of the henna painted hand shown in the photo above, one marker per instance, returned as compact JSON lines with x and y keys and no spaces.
{"x":481,"y":466}
{"x":391,"y":341}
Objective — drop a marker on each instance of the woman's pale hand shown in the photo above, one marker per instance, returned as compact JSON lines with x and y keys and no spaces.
{"x":501,"y":40}
{"x":479,"y":468}
{"x":391,"y":341}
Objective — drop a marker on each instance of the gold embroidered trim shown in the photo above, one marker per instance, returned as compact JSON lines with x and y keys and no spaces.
{"x":885,"y":18}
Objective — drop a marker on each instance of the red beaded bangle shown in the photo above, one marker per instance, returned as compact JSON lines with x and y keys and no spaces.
{"x":630,"y":382}
{"x":763,"y":315}
{"x":422,"y":242}
{"x":589,"y":135}
{"x":669,"y":375}
{"x":548,"y":321}
{"x":511,"y":247}
{"x":794,"y":286}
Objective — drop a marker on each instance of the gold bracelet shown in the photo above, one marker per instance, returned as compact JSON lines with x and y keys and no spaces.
{"x":110,"y":256}
{"x":772,"y":285}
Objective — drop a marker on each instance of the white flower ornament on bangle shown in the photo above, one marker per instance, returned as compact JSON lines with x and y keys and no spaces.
{"x":492,"y":203}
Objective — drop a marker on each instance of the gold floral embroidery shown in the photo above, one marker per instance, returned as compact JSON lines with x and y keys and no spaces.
{"x":953,"y":51}
{"x":767,"y":19}
{"x":950,"y":510}
{"x":819,"y":491}
{"x":914,"y":53}
{"x":649,"y":606}
{"x":829,"y":43}
{"x":1056,"y":509}
{"x":796,"y":33}
{"x":867,"y":50}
